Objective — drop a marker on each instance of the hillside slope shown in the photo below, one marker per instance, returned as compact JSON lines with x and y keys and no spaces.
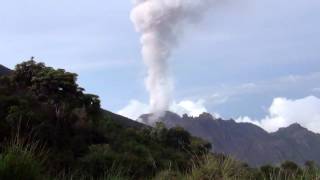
{"x":248,"y":142}
{"x":123,"y":121}
{"x":126,"y":122}
{"x":4,"y":70}
{"x":44,"y":109}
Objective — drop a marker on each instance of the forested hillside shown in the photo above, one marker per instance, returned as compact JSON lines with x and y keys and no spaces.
{"x":42,"y":106}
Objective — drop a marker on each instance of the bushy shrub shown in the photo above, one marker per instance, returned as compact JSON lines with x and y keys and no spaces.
{"x":98,"y":161}
{"x":290,"y":170}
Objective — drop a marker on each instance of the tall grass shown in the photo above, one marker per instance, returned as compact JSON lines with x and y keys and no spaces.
{"x":283,"y":175}
{"x":212,"y":167}
{"x":217,"y":167}
{"x":209,"y":167}
{"x":22,"y":160}
{"x":83,"y":177}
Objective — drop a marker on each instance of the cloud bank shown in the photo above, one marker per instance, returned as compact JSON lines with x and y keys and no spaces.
{"x":136,"y":108}
{"x":284,"y":112}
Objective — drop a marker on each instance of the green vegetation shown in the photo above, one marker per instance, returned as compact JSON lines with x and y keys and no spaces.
{"x":51,"y":129}
{"x":22,"y":160}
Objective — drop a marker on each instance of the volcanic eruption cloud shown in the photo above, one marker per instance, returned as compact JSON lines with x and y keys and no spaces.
{"x":161,"y":23}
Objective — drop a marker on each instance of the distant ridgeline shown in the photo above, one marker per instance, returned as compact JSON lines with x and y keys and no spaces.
{"x":4,"y":70}
{"x":248,"y":142}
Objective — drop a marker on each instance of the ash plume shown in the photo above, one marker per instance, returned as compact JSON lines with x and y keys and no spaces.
{"x":161,"y":23}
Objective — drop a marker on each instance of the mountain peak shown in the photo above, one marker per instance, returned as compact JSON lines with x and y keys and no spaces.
{"x":206,"y":116}
{"x":296,"y":127}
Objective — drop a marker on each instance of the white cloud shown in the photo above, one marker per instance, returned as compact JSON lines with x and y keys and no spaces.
{"x":136,"y":108}
{"x":217,"y":98}
{"x":189,"y":107}
{"x":284,"y":112}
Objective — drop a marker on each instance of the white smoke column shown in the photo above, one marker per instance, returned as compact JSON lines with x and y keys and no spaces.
{"x":161,"y":23}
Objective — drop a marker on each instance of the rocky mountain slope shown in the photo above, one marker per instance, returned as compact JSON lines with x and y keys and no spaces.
{"x":248,"y":142}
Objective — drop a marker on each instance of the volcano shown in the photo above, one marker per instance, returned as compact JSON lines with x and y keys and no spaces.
{"x":248,"y":142}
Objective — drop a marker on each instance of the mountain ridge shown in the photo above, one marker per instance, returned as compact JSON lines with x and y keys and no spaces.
{"x":248,"y":142}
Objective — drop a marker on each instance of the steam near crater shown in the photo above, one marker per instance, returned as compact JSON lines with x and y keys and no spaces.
{"x":161,"y":23}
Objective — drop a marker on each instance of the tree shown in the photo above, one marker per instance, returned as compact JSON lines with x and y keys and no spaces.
{"x":290,"y":169}
{"x":178,"y":138}
{"x":159,"y":132}
{"x":92,"y":103}
{"x":311,"y":168}
{"x":269,"y":172}
{"x":58,"y":88}
{"x":25,"y":71}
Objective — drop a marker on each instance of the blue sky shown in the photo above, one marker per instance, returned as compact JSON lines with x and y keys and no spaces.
{"x":241,"y":57}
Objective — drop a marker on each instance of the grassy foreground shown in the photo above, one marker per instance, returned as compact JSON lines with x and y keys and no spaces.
{"x":24,"y":160}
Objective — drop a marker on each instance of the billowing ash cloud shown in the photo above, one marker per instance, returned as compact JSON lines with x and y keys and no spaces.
{"x":161,"y":23}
